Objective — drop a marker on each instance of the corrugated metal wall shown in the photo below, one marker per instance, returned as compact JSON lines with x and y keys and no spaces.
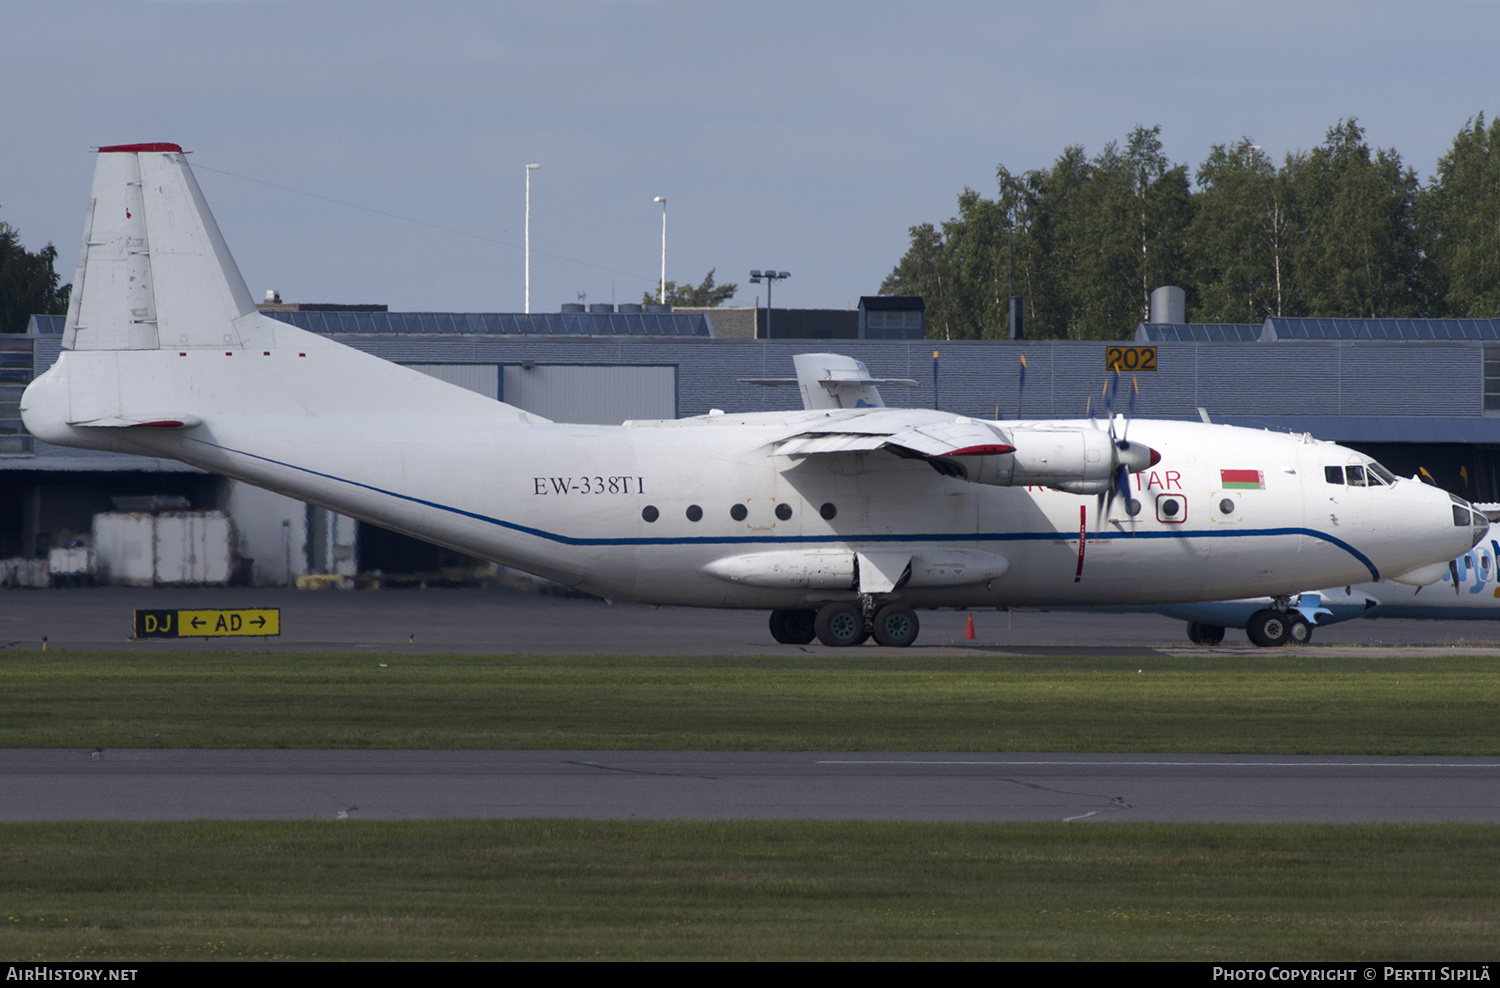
{"x":592,"y":394}
{"x":481,"y":379}
{"x":1228,"y":379}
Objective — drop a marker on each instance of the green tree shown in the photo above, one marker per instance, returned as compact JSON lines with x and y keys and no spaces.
{"x":974,"y":248}
{"x":1357,"y":250}
{"x":925,"y":270}
{"x":1460,"y":221}
{"x":1136,"y":213}
{"x":704,"y":295}
{"x":1084,"y":242}
{"x":1162,"y":209}
{"x":28,"y":284}
{"x":1238,"y":237}
{"x":1341,"y":230}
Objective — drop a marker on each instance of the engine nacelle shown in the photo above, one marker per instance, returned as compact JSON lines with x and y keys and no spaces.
{"x":1079,"y":461}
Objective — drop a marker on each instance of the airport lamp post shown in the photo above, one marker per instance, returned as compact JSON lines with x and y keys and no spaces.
{"x":661,"y":292}
{"x":529,"y":170}
{"x":771,"y":277}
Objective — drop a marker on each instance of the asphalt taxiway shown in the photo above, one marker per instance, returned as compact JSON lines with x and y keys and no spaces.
{"x":174,"y":784}
{"x":475,"y":620}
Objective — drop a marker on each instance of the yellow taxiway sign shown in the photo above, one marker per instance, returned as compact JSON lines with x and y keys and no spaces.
{"x":215,"y":623}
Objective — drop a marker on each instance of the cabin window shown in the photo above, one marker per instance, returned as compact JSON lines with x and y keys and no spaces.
{"x":738,"y":512}
{"x":784,"y":512}
{"x":694,"y":513}
{"x":828,"y":510}
{"x":650,"y":513}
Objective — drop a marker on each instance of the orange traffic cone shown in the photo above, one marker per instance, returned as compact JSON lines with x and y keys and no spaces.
{"x":969,"y":631}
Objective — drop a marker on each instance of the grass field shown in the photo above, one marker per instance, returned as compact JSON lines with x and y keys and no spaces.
{"x":1264,"y":702}
{"x":784,"y":890}
{"x":529,"y":889}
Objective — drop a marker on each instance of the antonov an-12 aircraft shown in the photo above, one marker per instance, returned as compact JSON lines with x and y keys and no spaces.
{"x":840,"y":521}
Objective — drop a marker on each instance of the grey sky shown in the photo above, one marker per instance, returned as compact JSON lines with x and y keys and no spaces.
{"x":806,"y":136}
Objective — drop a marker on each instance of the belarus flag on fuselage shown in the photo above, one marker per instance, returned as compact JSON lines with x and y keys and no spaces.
{"x":1242,"y":480}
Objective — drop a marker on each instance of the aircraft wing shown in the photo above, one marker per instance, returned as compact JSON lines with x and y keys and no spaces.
{"x":960,"y":436}
{"x":1079,"y":458}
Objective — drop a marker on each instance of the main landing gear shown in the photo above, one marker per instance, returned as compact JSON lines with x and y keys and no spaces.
{"x":1271,"y":628}
{"x":845,"y":623}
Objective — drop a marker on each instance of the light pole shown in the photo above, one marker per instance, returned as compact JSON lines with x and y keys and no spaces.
{"x":529,"y":170}
{"x":661,"y":292}
{"x":771,"y":277}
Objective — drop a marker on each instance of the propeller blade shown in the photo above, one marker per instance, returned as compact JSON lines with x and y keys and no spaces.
{"x":1122,"y":484}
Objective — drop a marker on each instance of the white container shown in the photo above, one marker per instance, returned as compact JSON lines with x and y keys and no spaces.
{"x":126,"y":544}
{"x":141,"y":549}
{"x":192,"y":547}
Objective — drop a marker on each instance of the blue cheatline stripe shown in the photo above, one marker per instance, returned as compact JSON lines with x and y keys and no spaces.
{"x":805,"y":539}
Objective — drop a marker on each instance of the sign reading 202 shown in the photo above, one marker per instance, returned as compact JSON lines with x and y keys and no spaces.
{"x":1130,"y":359}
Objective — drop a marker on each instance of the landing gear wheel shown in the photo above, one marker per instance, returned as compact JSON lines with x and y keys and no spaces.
{"x":896,"y":626}
{"x":1205,"y":634}
{"x":840,"y":624}
{"x":1269,"y":629}
{"x":1300,"y":632}
{"x":793,"y":627}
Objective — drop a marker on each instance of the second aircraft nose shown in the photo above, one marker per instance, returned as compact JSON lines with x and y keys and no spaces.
{"x":1465,"y":515}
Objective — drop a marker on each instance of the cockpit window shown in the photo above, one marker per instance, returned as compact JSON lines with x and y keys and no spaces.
{"x":1370,"y":474}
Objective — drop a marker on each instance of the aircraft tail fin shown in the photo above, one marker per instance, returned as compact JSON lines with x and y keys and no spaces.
{"x":148,"y":225}
{"x":163,"y":336}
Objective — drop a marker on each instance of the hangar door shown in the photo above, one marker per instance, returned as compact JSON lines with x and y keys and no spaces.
{"x":592,"y":394}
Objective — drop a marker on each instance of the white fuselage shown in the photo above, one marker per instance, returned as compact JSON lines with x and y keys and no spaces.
{"x":571,"y":502}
